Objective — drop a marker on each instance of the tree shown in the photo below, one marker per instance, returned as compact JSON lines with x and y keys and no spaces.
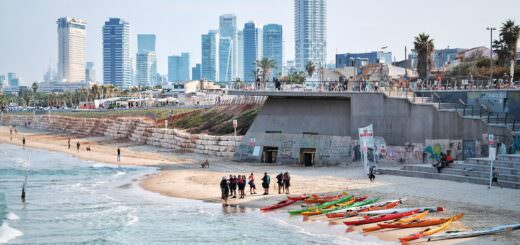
{"x":266,"y":65}
{"x":424,"y":48}
{"x":310,"y":68}
{"x":94,"y":90}
{"x":294,"y":78}
{"x":509,"y":33}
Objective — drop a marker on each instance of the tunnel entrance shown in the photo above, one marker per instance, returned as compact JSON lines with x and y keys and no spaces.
{"x":307,"y":156}
{"x":269,"y":154}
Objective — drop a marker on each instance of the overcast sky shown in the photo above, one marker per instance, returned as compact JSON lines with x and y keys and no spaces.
{"x":28,"y":36}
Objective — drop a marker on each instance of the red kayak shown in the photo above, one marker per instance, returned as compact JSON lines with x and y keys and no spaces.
{"x":385,"y":217}
{"x":281,"y":204}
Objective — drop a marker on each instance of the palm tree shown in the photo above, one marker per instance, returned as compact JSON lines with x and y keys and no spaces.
{"x":34,"y":88}
{"x":509,"y":33}
{"x":424,"y":48}
{"x":265,"y":66}
{"x":310,"y":68}
{"x":95,"y":91}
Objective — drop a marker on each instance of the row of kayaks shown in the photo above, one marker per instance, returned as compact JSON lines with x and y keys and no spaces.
{"x":376,"y":215}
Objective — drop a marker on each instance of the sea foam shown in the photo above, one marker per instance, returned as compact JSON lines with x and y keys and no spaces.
{"x":8,"y":233}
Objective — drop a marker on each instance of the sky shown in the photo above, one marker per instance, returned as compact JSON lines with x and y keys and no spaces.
{"x":28,"y":30}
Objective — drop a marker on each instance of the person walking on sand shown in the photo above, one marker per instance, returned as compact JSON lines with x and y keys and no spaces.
{"x":11,"y":133}
{"x":266,"y":181}
{"x":118,"y":154}
{"x":241,"y":186}
{"x":371,"y":175}
{"x":494,"y":178}
{"x":78,"y":145}
{"x":224,"y":189}
{"x":279,"y":181}
{"x":68,"y":143}
{"x":23,"y":142}
{"x":252,"y":186}
{"x":286,"y":182}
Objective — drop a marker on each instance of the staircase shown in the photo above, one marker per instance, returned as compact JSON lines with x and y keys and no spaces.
{"x":474,"y":170}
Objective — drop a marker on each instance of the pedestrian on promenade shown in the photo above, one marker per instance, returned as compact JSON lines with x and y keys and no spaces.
{"x":118,"y":154}
{"x":279,"y":181}
{"x":266,"y":181}
{"x":77,"y":146}
{"x":224,"y":189}
{"x":68,"y":143}
{"x":286,"y":182}
{"x":252,"y":186}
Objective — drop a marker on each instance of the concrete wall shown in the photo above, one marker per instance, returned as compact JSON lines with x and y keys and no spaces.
{"x":285,"y":122}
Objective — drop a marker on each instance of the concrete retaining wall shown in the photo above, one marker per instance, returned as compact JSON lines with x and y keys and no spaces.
{"x":134,"y":129}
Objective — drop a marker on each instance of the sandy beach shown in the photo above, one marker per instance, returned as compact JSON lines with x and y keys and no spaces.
{"x":180,"y":175}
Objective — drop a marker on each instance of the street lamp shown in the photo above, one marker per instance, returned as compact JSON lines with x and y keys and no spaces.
{"x":490,"y":29}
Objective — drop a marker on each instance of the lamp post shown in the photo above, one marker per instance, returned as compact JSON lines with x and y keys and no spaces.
{"x":490,"y":29}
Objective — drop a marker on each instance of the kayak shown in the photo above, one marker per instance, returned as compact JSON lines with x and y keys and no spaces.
{"x":345,"y":205}
{"x":427,"y":232}
{"x":281,"y":204}
{"x":351,"y":213}
{"x":298,"y":198}
{"x":399,"y":221}
{"x":341,"y":213}
{"x":420,"y":223}
{"x":463,"y":234}
{"x":401,"y":210}
{"x":318,"y":209}
{"x":318,"y":199}
{"x":376,"y":219}
{"x":354,"y":205}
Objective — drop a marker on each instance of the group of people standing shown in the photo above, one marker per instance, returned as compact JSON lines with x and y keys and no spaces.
{"x":229,"y":186}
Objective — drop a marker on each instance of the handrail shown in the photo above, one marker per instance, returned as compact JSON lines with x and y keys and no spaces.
{"x":438,"y":99}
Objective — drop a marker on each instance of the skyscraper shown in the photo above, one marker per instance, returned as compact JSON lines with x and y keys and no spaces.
{"x":225,"y":59}
{"x":210,"y":56}
{"x":228,"y":29}
{"x":117,"y":66}
{"x":195,"y":72}
{"x":144,"y":69}
{"x":13,"y":80}
{"x":179,"y":67}
{"x":145,"y":43}
{"x":71,"y":49}
{"x":273,"y":47}
{"x":310,"y":18}
{"x":240,"y":54}
{"x":90,"y":73}
{"x":2,"y":80}
{"x":252,"y":49}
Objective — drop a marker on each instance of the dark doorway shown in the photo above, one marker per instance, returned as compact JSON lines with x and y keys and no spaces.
{"x":307,"y":156}
{"x":269,"y":154}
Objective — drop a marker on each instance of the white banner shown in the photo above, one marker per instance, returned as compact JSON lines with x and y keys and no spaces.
{"x":366,"y":140}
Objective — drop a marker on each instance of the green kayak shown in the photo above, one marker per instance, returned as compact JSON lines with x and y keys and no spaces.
{"x":353,"y":205}
{"x":321,"y":206}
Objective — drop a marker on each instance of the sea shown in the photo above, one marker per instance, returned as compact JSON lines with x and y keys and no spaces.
{"x":73,"y":201}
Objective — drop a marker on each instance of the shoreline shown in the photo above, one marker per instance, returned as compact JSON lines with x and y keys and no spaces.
{"x":180,"y":176}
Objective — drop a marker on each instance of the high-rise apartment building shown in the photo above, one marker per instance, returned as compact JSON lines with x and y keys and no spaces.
{"x":90,"y":73}
{"x":240,"y":54}
{"x":71,"y":49}
{"x":228,"y":29}
{"x":273,"y":47}
{"x":179,"y":67}
{"x":225,"y":59}
{"x":145,"y":43}
{"x":2,"y":80}
{"x":210,"y":56}
{"x":310,"y":18}
{"x":117,"y":65}
{"x":144,"y":69}
{"x":195,"y":72}
{"x":12,"y":80}
{"x":252,"y":49}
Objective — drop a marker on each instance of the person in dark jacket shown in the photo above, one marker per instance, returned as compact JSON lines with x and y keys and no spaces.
{"x":224,"y":188}
{"x":279,"y":181}
{"x":266,"y":181}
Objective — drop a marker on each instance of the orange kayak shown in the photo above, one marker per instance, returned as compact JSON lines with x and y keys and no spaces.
{"x":400,"y":221}
{"x":324,"y":199}
{"x":420,"y":223}
{"x":430,"y":231}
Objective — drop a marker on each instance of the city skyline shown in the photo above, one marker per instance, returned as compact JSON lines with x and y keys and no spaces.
{"x":393,"y":24}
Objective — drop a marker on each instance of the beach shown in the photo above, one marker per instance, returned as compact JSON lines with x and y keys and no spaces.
{"x":181,"y":176}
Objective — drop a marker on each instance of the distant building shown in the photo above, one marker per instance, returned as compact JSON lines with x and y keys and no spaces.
{"x":225,"y":53}
{"x":2,"y":80}
{"x":252,"y":49}
{"x":352,"y":59}
{"x":474,"y":53}
{"x":195,"y":72}
{"x":117,"y":65}
{"x":210,"y":56}
{"x":71,"y":49}
{"x":179,"y":68}
{"x":310,"y":18}
{"x":12,"y":80}
{"x":60,"y":87}
{"x":50,"y":75}
{"x":290,"y":67}
{"x":90,"y":73}
{"x":240,"y":55}
{"x":144,"y":69}
{"x":228,"y":29}
{"x":145,"y":43}
{"x":445,"y":57}
{"x":273,"y":47}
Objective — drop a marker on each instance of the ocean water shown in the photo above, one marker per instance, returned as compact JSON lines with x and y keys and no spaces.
{"x":71,"y":201}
